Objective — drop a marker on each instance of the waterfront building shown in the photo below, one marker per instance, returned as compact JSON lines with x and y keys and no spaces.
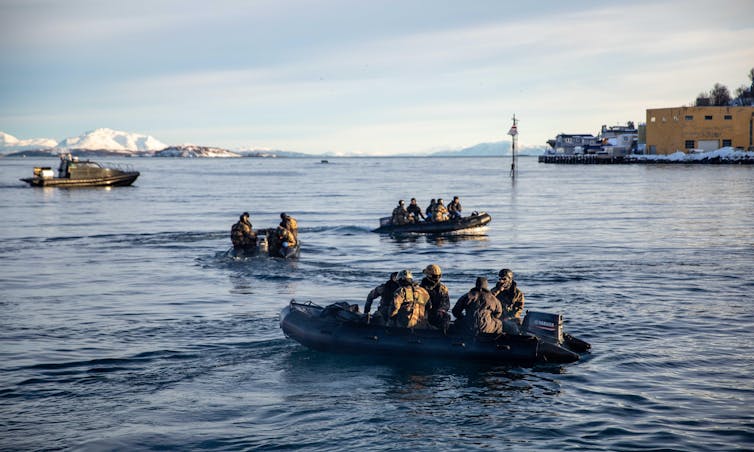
{"x":571,"y":143}
{"x":693,"y":129}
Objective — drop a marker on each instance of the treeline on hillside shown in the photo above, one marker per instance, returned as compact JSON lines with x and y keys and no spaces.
{"x":720,"y":95}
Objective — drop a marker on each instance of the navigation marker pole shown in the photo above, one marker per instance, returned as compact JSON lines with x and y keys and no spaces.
{"x":513,"y":132}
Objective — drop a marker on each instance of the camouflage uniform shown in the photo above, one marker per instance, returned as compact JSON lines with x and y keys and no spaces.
{"x":512,"y":299}
{"x":440,"y":213}
{"x":385,"y":292}
{"x":439,"y":302}
{"x":289,"y":223}
{"x":400,"y":214}
{"x":242,"y":235}
{"x":478,"y":311}
{"x":408,"y":308}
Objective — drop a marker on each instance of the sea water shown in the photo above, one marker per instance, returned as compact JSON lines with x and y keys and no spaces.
{"x":124,"y":324}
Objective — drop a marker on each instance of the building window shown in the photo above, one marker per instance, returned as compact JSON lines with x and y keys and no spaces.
{"x":652,"y":119}
{"x":688,"y":117}
{"x":708,"y":117}
{"x":652,"y":149}
{"x":689,"y":144}
{"x":727,"y":143}
{"x":675,"y":118}
{"x":728,"y":117}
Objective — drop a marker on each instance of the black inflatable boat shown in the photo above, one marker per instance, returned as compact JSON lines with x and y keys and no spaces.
{"x":337,"y":328}
{"x":473,"y":221}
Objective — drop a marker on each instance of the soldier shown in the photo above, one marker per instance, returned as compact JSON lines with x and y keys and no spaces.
{"x":478,"y":311}
{"x":510,"y":296}
{"x":430,"y":209}
{"x":289,"y":223}
{"x":440,"y":213}
{"x":454,"y":208}
{"x":385,"y":291}
{"x":414,"y":211}
{"x":408,"y":309}
{"x":400,"y":214}
{"x":439,"y":299}
{"x":280,"y":240}
{"x":242,"y":235}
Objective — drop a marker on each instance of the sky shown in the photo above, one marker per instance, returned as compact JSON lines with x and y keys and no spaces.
{"x":373,"y":77}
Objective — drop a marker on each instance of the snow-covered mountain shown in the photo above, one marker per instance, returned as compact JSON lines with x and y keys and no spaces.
{"x":9,"y":143}
{"x":191,"y":150}
{"x":498,"y":148}
{"x":112,"y":140}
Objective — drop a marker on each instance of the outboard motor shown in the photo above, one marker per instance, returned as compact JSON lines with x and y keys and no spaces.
{"x":544,"y":325}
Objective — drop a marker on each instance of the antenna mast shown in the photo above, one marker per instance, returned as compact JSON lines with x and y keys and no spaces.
{"x":513,"y":132}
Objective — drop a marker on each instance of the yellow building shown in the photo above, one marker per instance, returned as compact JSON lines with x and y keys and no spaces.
{"x":699,"y":128}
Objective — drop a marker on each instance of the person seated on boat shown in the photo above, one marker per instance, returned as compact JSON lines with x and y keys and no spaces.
{"x":478,"y":311}
{"x":289,"y":223}
{"x":430,"y":209}
{"x":440,"y":213}
{"x":400,"y":214}
{"x":414,"y":212}
{"x":281,"y":239}
{"x":385,"y":292}
{"x":439,"y":299}
{"x":242,"y":235}
{"x":408,"y":309}
{"x":454,"y":208}
{"x":511,"y":297}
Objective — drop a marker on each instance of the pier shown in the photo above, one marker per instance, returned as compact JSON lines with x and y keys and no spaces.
{"x":593,"y":159}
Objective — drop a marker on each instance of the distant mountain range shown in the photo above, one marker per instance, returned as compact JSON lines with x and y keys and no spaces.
{"x":109,"y":142}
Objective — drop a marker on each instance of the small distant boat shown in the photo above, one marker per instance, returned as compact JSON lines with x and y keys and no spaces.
{"x":85,"y":173}
{"x":473,"y":221}
{"x":324,"y":161}
{"x":263,"y":248}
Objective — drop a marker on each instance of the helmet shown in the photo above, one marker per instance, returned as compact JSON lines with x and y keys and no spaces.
{"x":283,"y":215}
{"x":505,"y":274}
{"x":433,"y":270}
{"x":405,"y":275}
{"x":439,"y":200}
{"x":394,"y":276}
{"x":245,"y":215}
{"x":400,"y":203}
{"x":481,"y":283}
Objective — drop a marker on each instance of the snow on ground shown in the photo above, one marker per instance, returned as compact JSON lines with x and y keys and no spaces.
{"x":726,"y":153}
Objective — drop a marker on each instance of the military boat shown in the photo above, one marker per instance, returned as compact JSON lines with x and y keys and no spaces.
{"x":85,"y":173}
{"x":338,"y":328}
{"x":468,"y":223}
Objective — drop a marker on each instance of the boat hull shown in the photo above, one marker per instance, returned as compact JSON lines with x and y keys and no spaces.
{"x":115,"y":180}
{"x":462,"y":224}
{"x":306,"y":324}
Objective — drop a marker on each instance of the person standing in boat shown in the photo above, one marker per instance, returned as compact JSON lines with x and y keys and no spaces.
{"x":408,"y":309}
{"x":478,"y":311}
{"x":400,"y":214}
{"x":242,"y":235}
{"x":439,"y":298}
{"x":454,"y":208}
{"x":511,"y":297}
{"x":385,"y":293}
{"x":414,"y":212}
{"x":289,"y":223}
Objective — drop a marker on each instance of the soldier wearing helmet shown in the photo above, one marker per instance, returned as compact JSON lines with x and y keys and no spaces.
{"x":385,"y":292}
{"x":509,"y":294}
{"x":441,"y":212}
{"x":408,"y":309}
{"x":289,"y":223}
{"x":242,"y":236}
{"x":400,"y":214}
{"x":439,"y":299}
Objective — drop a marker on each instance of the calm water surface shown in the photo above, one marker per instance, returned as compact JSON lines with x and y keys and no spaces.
{"x":124,"y":326}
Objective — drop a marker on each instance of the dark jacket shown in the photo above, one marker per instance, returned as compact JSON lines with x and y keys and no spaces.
{"x":478,"y":311}
{"x":439,"y":301}
{"x":512,"y":300}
